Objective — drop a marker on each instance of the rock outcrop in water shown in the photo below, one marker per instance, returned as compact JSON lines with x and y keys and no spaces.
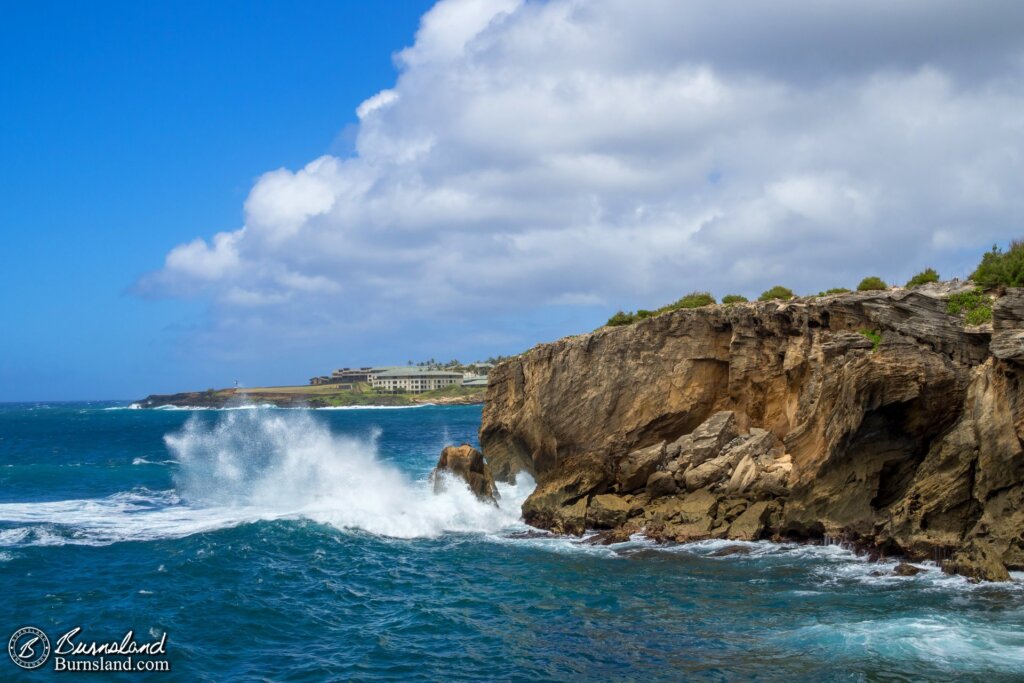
{"x":780,"y":420}
{"x":466,"y":463}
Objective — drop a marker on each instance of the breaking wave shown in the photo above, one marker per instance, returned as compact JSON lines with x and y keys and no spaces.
{"x":259,"y":465}
{"x":290,"y":463}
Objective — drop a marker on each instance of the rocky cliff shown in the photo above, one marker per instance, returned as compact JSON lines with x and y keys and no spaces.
{"x":878,"y":418}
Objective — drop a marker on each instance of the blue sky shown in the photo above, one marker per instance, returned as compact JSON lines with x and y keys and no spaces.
{"x":197,"y":193}
{"x":125,"y":128}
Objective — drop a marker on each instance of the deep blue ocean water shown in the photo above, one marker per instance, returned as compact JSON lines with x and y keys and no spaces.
{"x":299,"y":545}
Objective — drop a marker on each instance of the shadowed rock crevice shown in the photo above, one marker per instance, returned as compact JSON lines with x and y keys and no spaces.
{"x":507,"y":455}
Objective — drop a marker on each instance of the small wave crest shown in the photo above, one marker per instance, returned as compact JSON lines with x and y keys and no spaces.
{"x":953,"y":643}
{"x":836,"y":565}
{"x":144,"y":461}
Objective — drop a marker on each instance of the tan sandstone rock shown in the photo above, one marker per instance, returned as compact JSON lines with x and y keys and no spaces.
{"x":683,"y":518}
{"x":571,"y":519}
{"x":607,"y":511}
{"x":638,"y":466}
{"x":750,"y":526}
{"x":466,"y":463}
{"x":660,"y":484}
{"x":708,"y":472}
{"x":583,"y":475}
{"x":711,"y":437}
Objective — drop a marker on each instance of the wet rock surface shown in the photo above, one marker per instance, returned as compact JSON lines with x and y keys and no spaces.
{"x":467,"y":464}
{"x":906,"y":569}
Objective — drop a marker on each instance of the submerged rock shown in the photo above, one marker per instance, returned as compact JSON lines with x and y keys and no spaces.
{"x":466,"y":463}
{"x":905,"y":569}
{"x":532,"y":534}
{"x":618,"y":535}
{"x":730,"y":550}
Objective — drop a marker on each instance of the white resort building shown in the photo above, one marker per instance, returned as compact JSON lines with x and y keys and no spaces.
{"x":412,"y":380}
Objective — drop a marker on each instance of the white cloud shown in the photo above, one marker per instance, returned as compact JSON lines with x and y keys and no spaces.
{"x":282,"y":202}
{"x":198,"y":260}
{"x":580,"y":153}
{"x":449,"y":27}
{"x":378,"y":101}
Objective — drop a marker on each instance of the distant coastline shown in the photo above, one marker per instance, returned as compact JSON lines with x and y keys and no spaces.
{"x":323,"y":396}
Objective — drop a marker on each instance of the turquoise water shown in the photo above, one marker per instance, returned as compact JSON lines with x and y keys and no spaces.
{"x":307,"y":545}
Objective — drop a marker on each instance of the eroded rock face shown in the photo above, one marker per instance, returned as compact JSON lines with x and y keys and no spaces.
{"x":781,"y":420}
{"x":466,"y":463}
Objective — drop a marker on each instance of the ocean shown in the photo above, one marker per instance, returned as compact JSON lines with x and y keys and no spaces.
{"x":308,"y":545}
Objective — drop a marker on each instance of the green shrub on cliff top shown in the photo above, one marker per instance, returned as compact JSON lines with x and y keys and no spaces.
{"x":621,"y":318}
{"x":776,"y":292}
{"x":975,"y":305}
{"x":924,"y":277}
{"x":979,"y":316}
{"x":872,"y":284}
{"x":734,"y":299}
{"x":1001,"y":269}
{"x":835,"y":290}
{"x":691,"y":300}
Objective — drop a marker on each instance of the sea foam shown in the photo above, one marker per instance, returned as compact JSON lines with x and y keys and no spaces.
{"x":291,"y":464}
{"x":255,"y":465}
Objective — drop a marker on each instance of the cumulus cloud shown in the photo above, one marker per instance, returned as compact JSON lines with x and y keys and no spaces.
{"x":202,"y":262}
{"x":609,"y":153}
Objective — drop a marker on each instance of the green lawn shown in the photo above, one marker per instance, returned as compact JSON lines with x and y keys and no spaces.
{"x":306,"y":389}
{"x":362,"y":394}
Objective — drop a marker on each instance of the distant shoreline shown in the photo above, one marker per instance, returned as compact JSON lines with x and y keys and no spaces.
{"x":322,"y":396}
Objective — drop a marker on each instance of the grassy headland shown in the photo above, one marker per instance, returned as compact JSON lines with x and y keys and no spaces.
{"x":320,"y":396}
